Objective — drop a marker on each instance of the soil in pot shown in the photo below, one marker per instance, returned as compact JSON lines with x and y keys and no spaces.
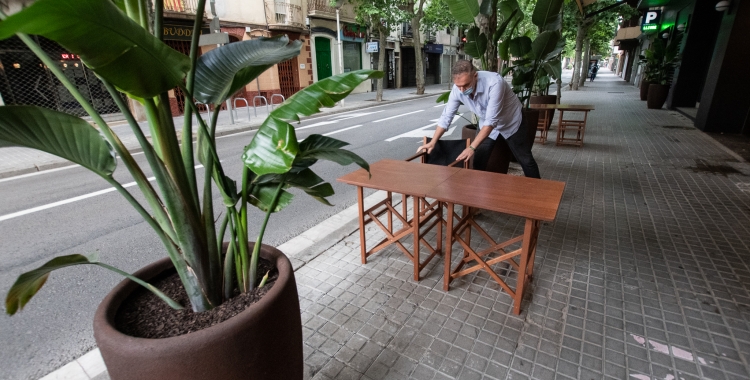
{"x":144,"y":315}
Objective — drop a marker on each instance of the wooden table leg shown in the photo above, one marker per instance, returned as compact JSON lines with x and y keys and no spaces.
{"x":415,"y":232}
{"x":361,"y":211}
{"x":448,"y":246}
{"x":528,"y":235}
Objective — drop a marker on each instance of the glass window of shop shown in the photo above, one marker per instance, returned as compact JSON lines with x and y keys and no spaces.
{"x":352,"y":56}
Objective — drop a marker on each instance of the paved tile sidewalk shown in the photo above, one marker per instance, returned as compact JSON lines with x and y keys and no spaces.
{"x":644,"y":274}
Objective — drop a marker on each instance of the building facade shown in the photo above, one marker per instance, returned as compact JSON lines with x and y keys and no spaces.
{"x":712,"y":75}
{"x":25,"y":80}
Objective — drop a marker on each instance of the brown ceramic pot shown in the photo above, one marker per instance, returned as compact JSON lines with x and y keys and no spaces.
{"x":644,"y":89}
{"x":262,"y":342}
{"x":657,"y":95}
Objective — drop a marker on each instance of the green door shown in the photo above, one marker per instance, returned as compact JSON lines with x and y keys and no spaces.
{"x":323,"y":57}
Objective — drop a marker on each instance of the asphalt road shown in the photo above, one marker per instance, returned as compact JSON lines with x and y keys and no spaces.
{"x":65,"y":211}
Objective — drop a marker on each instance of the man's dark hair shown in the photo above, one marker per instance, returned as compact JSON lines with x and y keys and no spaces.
{"x":462,"y":66}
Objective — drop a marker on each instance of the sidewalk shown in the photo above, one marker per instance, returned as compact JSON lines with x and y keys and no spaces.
{"x":644,"y":274}
{"x":16,"y":161}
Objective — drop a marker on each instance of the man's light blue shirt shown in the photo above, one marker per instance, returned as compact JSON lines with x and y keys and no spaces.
{"x":493,"y":102}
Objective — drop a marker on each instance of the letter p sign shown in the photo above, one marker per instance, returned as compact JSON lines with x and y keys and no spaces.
{"x":650,"y":17}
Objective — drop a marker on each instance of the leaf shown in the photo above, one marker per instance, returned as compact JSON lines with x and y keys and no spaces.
{"x":443,"y":98}
{"x":29,"y":283}
{"x":274,"y":146}
{"x":553,"y":68}
{"x":476,"y":42}
{"x":262,"y":196}
{"x":59,"y":134}
{"x":545,"y":12}
{"x":312,"y":184}
{"x":544,"y":44}
{"x":222,"y":71}
{"x":463,"y":11}
{"x":503,"y":50}
{"x":507,"y":7}
{"x":110,"y":43}
{"x":328,"y":148}
{"x":486,"y":7}
{"x":501,"y":29}
{"x":520,"y":46}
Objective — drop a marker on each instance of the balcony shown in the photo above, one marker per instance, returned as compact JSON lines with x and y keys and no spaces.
{"x":281,"y":15}
{"x":181,"y":6}
{"x":322,"y":9}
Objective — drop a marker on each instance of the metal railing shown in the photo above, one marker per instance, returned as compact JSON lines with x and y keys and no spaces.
{"x":181,"y":6}
{"x":323,"y":7}
{"x":283,"y":13}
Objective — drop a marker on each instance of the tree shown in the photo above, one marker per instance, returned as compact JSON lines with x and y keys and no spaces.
{"x":382,"y":16}
{"x":591,"y":30}
{"x":415,"y":13}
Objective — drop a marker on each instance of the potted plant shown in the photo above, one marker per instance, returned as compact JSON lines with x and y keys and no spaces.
{"x":661,"y":60}
{"x":209,"y":262}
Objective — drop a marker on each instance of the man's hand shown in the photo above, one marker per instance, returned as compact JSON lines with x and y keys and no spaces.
{"x":465,"y":155}
{"x":428,"y":147}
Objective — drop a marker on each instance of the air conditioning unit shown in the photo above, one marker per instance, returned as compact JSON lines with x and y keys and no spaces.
{"x":248,"y":29}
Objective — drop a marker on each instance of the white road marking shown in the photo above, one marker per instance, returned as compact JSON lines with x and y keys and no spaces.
{"x":50,"y":171}
{"x":439,"y":105}
{"x":422,"y":132}
{"x":317,"y":124}
{"x":393,"y":117}
{"x":71,"y":200}
{"x":342,"y":130}
{"x":353,"y":115}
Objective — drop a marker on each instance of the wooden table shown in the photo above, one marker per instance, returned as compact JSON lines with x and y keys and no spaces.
{"x":533,"y":199}
{"x":411,"y":179}
{"x":573,"y":125}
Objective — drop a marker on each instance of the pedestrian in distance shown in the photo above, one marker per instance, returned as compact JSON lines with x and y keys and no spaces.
{"x":593,"y":72}
{"x":499,"y":111}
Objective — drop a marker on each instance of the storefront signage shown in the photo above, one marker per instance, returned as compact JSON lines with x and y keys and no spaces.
{"x":180,"y":32}
{"x":69,"y":57}
{"x":650,"y":21}
{"x":433,"y":48}
{"x":353,"y":32}
{"x":371,"y":47}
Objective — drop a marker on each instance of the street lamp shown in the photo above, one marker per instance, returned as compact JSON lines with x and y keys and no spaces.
{"x":339,"y":49}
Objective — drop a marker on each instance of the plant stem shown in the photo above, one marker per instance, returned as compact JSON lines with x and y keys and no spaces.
{"x":242,"y":229}
{"x":153,"y":160}
{"x":259,"y":241}
{"x":188,"y":161}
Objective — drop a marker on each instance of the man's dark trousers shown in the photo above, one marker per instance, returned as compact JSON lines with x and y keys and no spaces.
{"x":519,"y":145}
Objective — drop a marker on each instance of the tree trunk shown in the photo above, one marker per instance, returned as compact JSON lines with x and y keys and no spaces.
{"x":381,"y":64}
{"x":488,"y":26}
{"x":418,"y":52}
{"x":585,"y":64}
{"x":580,"y":33}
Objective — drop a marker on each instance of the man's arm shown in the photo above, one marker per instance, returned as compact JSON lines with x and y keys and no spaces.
{"x":468,"y":152}
{"x":445,"y":121}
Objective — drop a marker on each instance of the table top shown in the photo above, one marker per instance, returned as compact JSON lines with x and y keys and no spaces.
{"x":564,"y":107}
{"x":532,"y":198}
{"x":403,"y":177}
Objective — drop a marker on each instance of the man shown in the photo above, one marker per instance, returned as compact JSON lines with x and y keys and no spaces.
{"x":499,"y":112}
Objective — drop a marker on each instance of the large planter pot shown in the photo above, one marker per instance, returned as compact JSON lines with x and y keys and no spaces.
{"x":644,"y":89}
{"x":657,"y":95}
{"x":262,"y":342}
{"x":545,"y":99}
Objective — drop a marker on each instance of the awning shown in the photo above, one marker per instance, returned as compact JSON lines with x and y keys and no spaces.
{"x":629,"y":33}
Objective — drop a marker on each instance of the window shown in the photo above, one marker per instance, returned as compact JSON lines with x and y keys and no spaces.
{"x":352,"y":56}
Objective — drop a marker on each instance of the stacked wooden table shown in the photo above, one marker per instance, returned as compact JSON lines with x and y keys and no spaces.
{"x":534,"y":200}
{"x":577,"y":127}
